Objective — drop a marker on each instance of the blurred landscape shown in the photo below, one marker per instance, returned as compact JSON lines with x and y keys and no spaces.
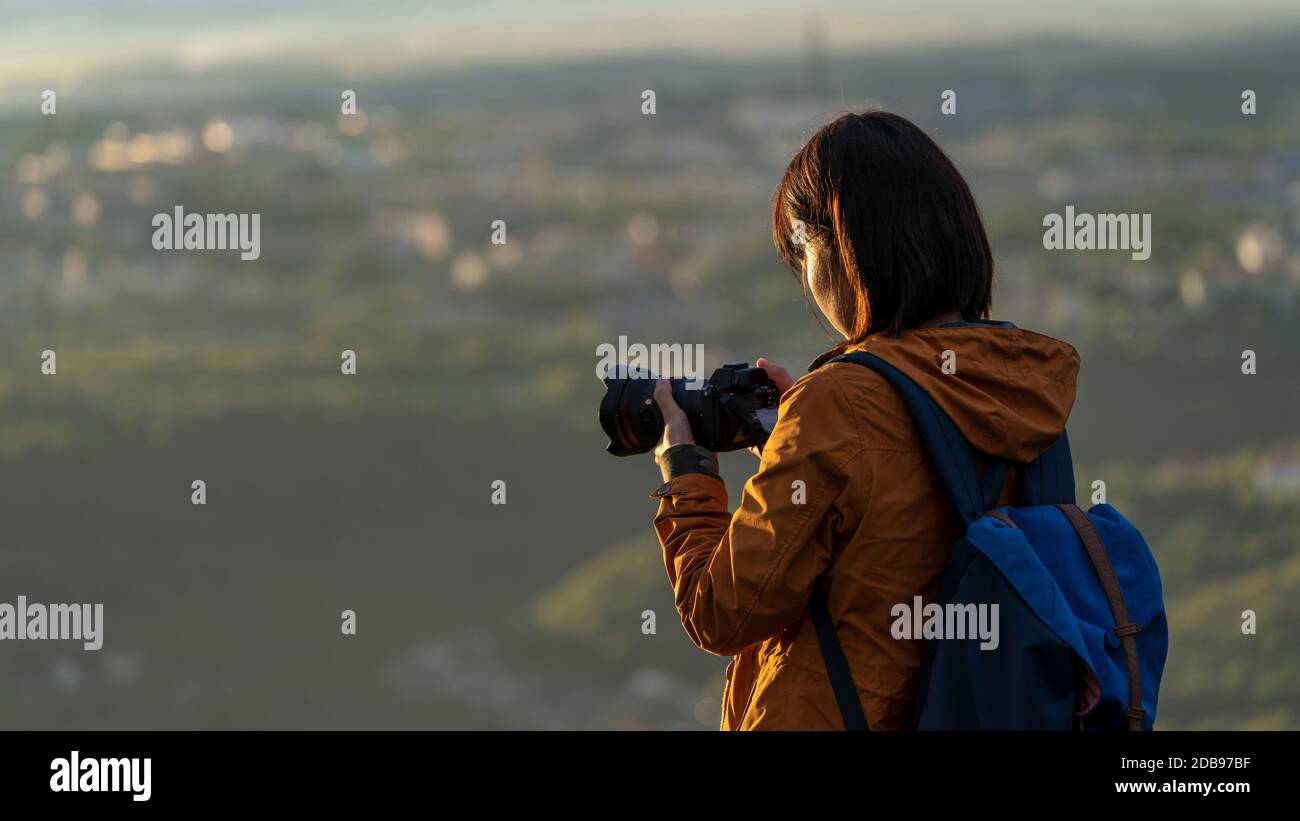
{"x":476,"y":362}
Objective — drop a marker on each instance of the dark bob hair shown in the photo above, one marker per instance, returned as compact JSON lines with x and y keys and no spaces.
{"x":893,"y":219}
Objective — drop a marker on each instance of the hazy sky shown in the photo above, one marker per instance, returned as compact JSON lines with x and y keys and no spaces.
{"x":48,"y":41}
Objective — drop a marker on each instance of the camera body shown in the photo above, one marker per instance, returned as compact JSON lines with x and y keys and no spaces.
{"x":734,"y":409}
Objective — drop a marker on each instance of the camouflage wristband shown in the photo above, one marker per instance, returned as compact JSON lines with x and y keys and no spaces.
{"x":679,"y":460}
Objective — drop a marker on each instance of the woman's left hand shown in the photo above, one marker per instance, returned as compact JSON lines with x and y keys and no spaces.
{"x":677,"y":428}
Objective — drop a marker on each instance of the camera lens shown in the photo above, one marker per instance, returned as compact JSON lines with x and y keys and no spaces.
{"x":630,"y":416}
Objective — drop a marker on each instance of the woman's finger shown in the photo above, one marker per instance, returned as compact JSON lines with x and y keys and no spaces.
{"x":664,"y":398}
{"x":779,"y":375}
{"x":677,"y":428}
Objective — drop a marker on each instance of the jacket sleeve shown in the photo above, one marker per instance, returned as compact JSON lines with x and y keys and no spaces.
{"x":740,"y":579}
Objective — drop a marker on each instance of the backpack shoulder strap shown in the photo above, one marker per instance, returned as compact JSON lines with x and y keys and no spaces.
{"x":1049,"y":479}
{"x":837,"y":665}
{"x":945,"y":447}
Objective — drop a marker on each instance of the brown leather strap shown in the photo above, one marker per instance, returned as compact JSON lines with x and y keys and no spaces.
{"x":1006,"y":520}
{"x":1123,"y":627}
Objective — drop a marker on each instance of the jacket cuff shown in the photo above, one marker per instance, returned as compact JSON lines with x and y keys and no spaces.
{"x":680,"y":460}
{"x":696,"y":487}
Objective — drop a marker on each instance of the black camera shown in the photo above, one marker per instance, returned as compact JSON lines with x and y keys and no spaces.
{"x":734,"y":409}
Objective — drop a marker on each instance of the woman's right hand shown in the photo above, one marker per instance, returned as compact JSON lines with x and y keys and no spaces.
{"x":779,"y":375}
{"x":781,"y":378}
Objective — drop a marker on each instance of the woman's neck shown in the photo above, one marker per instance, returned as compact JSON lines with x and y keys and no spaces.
{"x":941,"y":319}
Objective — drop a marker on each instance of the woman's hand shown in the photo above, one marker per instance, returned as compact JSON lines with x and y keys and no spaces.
{"x":779,"y":375}
{"x":677,"y":428}
{"x":781,"y":378}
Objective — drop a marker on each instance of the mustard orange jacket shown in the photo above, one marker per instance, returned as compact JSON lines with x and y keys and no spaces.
{"x":845,"y":498}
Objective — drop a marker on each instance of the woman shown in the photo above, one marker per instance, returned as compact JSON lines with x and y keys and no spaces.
{"x":885,"y":235}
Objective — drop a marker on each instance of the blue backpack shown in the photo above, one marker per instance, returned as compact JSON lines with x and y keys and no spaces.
{"x":1082,"y":636}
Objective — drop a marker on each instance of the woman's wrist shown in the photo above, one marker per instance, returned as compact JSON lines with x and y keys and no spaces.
{"x":680,"y":460}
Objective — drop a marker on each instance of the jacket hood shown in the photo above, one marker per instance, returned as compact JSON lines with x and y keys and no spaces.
{"x":1012,"y":389}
